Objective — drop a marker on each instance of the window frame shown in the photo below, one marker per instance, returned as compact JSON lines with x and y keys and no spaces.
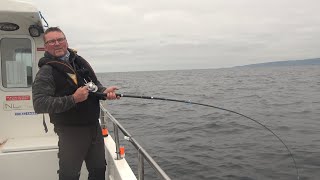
{"x":33,"y":59}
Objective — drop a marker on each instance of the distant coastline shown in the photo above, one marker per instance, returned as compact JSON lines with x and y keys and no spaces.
{"x":305,"y":62}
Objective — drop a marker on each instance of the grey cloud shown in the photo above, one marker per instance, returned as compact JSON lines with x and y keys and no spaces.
{"x":144,"y":34}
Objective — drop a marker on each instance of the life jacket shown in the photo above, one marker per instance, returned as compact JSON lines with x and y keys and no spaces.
{"x":68,"y":77}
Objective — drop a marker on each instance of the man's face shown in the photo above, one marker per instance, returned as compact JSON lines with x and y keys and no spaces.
{"x":56,"y":44}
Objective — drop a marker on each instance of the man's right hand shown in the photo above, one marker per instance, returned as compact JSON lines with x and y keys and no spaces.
{"x":81,"y":94}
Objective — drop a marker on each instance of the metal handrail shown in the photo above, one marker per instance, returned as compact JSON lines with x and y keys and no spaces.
{"x":142,"y":153}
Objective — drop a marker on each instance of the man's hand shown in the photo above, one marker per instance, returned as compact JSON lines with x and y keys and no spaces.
{"x":81,"y":94}
{"x":111,"y":94}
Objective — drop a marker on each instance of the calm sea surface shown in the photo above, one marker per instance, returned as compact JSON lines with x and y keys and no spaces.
{"x":192,"y":142}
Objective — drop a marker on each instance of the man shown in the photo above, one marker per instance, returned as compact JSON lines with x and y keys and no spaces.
{"x":60,"y":89}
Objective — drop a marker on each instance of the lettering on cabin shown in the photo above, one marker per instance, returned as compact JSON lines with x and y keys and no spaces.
{"x":24,"y":113}
{"x":18,"y":98}
{"x":7,"y":26}
{"x":16,"y":106}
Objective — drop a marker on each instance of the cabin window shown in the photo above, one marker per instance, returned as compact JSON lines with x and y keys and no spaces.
{"x":16,"y":62}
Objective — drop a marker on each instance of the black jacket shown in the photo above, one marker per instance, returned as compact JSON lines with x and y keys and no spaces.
{"x":53,"y":87}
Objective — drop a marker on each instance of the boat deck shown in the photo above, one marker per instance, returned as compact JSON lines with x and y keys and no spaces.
{"x":29,"y":144}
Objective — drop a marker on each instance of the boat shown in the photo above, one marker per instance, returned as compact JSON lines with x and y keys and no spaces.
{"x":27,"y":151}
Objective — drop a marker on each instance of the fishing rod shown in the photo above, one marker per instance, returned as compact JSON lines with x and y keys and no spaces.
{"x":103,"y":97}
{"x":216,"y":107}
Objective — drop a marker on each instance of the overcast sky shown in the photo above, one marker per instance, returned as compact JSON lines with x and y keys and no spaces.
{"x":135,"y":35}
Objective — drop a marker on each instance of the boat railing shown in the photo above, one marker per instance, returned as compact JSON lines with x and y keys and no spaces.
{"x":105,"y":115}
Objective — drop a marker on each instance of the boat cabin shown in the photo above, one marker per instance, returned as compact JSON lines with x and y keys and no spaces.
{"x":23,"y":142}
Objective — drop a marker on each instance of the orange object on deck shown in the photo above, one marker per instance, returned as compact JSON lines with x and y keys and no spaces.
{"x":105,"y":132}
{"x":122,"y":151}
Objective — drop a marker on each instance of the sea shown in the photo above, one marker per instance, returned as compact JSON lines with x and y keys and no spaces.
{"x":192,"y":142}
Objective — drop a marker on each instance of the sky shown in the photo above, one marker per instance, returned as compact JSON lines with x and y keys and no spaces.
{"x":147,"y":35}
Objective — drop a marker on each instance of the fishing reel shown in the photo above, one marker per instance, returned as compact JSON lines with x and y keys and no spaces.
{"x":91,"y":86}
{"x":93,"y":90}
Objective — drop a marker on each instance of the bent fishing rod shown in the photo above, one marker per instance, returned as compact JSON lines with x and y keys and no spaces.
{"x":103,"y":96}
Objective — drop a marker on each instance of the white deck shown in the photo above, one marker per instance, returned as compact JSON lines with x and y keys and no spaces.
{"x":35,"y":158}
{"x":29,"y":158}
{"x":117,"y":169}
{"x":30,"y":144}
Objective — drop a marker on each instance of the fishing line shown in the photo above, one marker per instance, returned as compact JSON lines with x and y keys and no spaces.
{"x":216,"y":107}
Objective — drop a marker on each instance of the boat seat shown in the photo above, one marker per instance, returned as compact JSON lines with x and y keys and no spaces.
{"x":30,"y":144}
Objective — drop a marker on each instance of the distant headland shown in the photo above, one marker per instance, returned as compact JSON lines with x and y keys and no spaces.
{"x":304,"y":62}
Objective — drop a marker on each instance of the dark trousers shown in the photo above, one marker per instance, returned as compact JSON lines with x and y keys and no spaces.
{"x":78,"y":144}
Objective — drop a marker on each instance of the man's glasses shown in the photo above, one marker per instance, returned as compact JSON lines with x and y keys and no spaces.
{"x":53,"y":41}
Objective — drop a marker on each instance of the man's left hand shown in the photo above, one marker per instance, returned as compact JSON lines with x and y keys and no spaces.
{"x":111,"y":94}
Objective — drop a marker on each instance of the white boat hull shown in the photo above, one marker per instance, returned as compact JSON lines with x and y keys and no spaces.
{"x":36,"y":159}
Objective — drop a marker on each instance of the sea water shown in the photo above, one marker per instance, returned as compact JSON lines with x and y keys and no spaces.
{"x":192,"y":142}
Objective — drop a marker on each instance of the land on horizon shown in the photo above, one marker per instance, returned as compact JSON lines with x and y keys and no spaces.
{"x":304,"y":62}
